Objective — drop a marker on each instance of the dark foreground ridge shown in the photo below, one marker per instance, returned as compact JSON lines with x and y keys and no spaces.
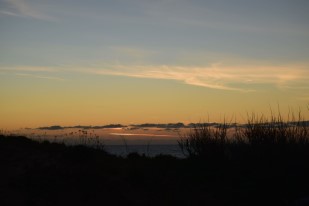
{"x":34,"y":173}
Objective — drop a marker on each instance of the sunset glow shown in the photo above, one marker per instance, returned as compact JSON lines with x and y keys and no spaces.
{"x":135,"y":61}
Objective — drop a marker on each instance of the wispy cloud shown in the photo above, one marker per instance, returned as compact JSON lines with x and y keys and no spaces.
{"x":9,"y":13}
{"x":216,"y":76}
{"x":22,"y":8}
{"x":40,"y":77}
{"x":34,"y":72}
{"x":28,"y":69}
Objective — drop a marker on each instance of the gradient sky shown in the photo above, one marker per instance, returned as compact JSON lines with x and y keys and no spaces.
{"x":97,"y":62}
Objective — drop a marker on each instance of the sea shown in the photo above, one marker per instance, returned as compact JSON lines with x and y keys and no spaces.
{"x":147,"y":150}
{"x":118,"y":141}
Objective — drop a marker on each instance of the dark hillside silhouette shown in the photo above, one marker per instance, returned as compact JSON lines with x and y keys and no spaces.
{"x":46,"y":173}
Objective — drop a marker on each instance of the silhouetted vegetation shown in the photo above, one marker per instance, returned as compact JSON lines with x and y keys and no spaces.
{"x":265,"y":162}
{"x":260,"y":137}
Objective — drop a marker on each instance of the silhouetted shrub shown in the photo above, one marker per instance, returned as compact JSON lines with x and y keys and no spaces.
{"x":259,"y":138}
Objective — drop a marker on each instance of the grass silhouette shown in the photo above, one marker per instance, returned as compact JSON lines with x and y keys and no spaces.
{"x":265,"y":162}
{"x":260,"y":137}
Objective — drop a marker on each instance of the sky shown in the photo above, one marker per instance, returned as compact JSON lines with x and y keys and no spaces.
{"x":94,"y":62}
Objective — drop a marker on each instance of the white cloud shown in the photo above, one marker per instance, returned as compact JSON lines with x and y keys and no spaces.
{"x":215,"y":76}
{"x":22,"y":8}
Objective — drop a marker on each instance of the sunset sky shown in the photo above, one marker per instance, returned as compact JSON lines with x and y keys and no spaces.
{"x":95,"y":62}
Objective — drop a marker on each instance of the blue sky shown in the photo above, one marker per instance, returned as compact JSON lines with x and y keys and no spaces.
{"x":156,"y":32}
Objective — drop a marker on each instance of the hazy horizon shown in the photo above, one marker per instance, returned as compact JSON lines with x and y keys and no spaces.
{"x":143,"y":61}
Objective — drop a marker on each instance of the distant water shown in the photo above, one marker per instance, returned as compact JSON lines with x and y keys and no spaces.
{"x":148,"y":150}
{"x":148,"y":141}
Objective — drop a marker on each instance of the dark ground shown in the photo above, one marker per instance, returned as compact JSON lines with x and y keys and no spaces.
{"x":45,"y":173}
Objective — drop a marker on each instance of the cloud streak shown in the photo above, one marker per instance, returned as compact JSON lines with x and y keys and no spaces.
{"x":215,"y":76}
{"x":40,"y":77}
{"x":21,"y":8}
{"x":29,"y":69}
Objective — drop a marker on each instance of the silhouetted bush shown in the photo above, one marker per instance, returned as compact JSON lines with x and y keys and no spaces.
{"x":205,"y":141}
{"x":259,"y":137}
